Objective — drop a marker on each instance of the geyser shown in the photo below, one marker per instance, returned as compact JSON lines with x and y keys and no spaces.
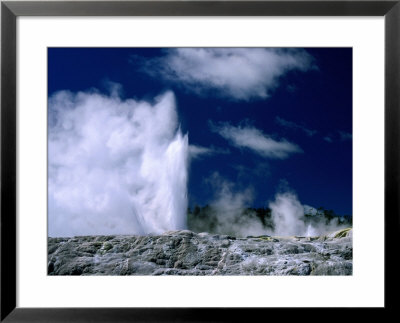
{"x":115,"y":166}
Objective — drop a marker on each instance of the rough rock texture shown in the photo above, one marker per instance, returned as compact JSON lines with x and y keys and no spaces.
{"x":188,"y":253}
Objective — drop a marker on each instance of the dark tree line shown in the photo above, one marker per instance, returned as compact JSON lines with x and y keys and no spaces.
{"x":327,"y":216}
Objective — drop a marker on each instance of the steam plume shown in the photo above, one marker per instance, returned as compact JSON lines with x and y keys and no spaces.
{"x":287,"y":214}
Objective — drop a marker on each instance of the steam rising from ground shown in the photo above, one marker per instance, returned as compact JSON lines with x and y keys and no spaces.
{"x":287,"y":214}
{"x":115,"y":166}
{"x":230,"y":213}
{"x":289,"y":217}
{"x":227,"y":209}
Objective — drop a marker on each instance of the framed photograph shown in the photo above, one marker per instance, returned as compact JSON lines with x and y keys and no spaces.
{"x":162,"y":159}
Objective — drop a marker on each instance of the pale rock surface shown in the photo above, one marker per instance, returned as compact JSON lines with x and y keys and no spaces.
{"x":187,"y":253}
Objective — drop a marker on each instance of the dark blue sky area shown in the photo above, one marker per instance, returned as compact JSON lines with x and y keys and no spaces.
{"x":309,"y":107}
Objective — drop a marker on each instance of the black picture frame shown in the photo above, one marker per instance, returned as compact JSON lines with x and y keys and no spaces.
{"x":10,"y":10}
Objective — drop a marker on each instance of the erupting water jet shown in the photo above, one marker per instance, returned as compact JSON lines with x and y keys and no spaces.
{"x":115,"y":167}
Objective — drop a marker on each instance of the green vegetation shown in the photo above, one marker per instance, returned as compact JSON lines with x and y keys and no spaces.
{"x":342,"y":233}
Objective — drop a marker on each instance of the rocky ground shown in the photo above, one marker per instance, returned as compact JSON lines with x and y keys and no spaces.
{"x":188,"y":253}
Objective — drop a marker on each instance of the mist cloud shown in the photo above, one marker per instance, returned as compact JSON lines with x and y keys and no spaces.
{"x":115,"y":166}
{"x":225,"y":213}
{"x":287,"y":214}
{"x":196,"y":151}
{"x":289,"y":217}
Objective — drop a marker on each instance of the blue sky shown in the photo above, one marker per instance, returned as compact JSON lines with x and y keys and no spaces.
{"x":262,"y":120}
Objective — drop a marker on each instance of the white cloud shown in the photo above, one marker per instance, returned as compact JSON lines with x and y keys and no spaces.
{"x":254,"y":139}
{"x":345,"y":135}
{"x":293,"y":125}
{"x":115,"y":167}
{"x":338,"y":136}
{"x":234,"y":73}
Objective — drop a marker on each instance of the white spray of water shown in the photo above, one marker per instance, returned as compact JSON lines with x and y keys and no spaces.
{"x":115,"y":166}
{"x":287,"y":214}
{"x":311,"y":231}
